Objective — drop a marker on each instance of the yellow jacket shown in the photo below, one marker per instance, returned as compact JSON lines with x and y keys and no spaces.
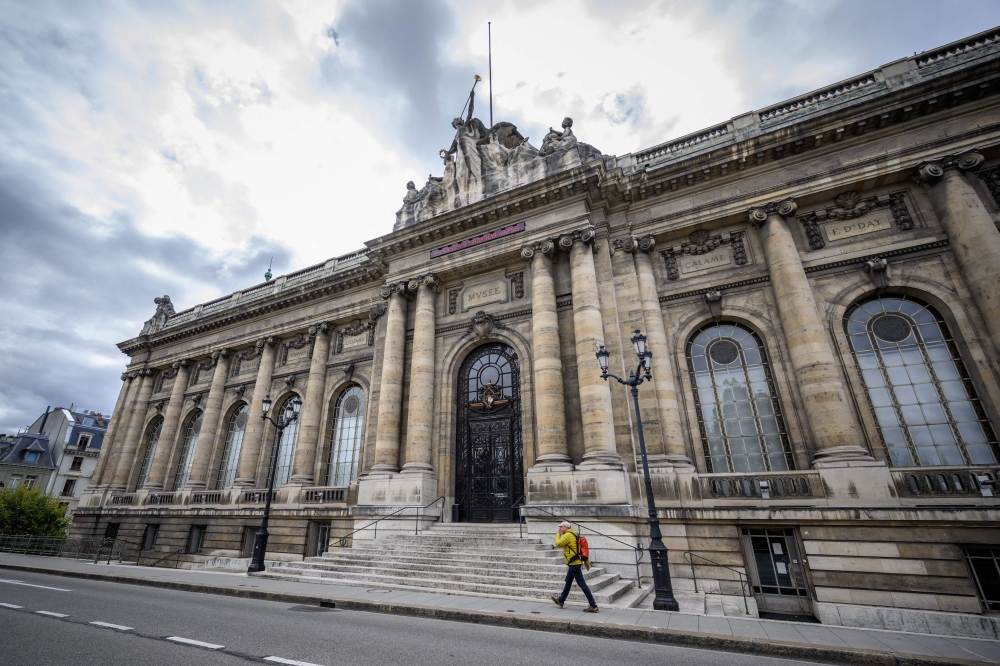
{"x":567,"y":541}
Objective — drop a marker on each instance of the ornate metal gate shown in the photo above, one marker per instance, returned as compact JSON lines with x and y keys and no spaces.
{"x":489,"y":456}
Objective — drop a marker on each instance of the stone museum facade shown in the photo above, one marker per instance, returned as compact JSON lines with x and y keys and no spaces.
{"x":819,"y":285}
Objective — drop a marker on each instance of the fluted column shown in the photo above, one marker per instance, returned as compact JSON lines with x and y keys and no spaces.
{"x":312,"y":408}
{"x":171,"y":422}
{"x":246,"y":473}
{"x":119,"y":415}
{"x":973,"y":236}
{"x":674,"y":450}
{"x":390,"y":401}
{"x":198,"y":478}
{"x":550,"y":412}
{"x":420,"y":408}
{"x":595,"y":394}
{"x":824,"y":399}
{"x":134,"y":432}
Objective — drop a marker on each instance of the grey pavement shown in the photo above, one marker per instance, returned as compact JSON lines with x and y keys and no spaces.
{"x":899,"y":643}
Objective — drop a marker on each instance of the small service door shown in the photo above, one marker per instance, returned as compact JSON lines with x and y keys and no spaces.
{"x":776,"y":572}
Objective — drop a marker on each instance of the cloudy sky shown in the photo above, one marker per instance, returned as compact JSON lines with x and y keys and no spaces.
{"x":160,"y":147}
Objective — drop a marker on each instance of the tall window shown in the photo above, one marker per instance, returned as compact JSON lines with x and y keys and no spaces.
{"x":234,"y":445}
{"x":286,"y":448}
{"x":152,"y":437}
{"x":924,"y":403}
{"x":188,"y":446}
{"x":738,"y":411}
{"x":346,"y":437}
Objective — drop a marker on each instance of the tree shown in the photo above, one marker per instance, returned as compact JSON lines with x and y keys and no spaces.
{"x":27,"y":510}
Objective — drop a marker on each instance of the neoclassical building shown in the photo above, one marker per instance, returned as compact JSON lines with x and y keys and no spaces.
{"x":819,"y":285}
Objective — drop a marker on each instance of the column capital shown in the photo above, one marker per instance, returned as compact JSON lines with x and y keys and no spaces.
{"x":376,"y":311}
{"x":931,"y":171}
{"x":321,"y":327}
{"x":632,"y":243}
{"x":784,"y":208}
{"x":430,"y":280}
{"x":183,"y":363}
{"x":546,"y":247}
{"x":126,"y":376}
{"x":218,"y":354}
{"x":148,"y":372}
{"x":266,"y":341}
{"x":390,"y":288}
{"x":585,"y":235}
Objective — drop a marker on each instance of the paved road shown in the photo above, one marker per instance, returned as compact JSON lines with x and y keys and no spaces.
{"x":251,"y":631}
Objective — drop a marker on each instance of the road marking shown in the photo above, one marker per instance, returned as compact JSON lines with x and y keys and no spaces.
{"x":50,"y":614}
{"x":189,"y":641}
{"x":44,"y":587}
{"x":290,"y":662}
{"x":108,"y":625}
{"x":11,"y":606}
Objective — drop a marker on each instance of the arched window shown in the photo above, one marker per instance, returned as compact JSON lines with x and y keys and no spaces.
{"x":738,"y":411}
{"x":345,"y":437}
{"x":188,"y":446}
{"x":149,"y":450}
{"x":234,"y":445}
{"x":286,"y":448}
{"x":925,"y":405}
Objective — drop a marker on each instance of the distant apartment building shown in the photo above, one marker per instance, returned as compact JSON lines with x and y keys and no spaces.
{"x":26,"y":459}
{"x":76,"y":439}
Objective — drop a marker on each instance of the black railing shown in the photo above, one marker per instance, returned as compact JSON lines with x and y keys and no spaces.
{"x":75,"y":547}
{"x":342,"y":541}
{"x":638,"y":550}
{"x":176,"y":554}
{"x":744,"y":583}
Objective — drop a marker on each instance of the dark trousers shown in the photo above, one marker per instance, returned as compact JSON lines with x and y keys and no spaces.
{"x":575,"y":572}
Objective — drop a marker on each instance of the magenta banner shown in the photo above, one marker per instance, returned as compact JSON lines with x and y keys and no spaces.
{"x":482,"y":238}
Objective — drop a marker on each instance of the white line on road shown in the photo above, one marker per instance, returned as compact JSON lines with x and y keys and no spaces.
{"x":189,"y":641}
{"x":14,"y":606}
{"x":108,"y":625}
{"x":290,"y":662}
{"x":50,"y":614}
{"x":44,"y":587}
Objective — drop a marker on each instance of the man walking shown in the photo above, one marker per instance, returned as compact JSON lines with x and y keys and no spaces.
{"x":566,"y":539}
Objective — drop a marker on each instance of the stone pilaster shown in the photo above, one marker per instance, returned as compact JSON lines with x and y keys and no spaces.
{"x":312,"y":408}
{"x":595,"y":394}
{"x":420,"y":411}
{"x":674,"y":452}
{"x":550,"y":414}
{"x":171,"y":422}
{"x":972,"y":234}
{"x":198,"y":479}
{"x":119,"y":416}
{"x":834,"y":434}
{"x":253,"y":436}
{"x":390,"y":403}
{"x":126,"y":458}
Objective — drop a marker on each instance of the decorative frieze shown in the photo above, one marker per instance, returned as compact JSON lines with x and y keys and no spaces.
{"x":297,"y":348}
{"x":355,"y":335}
{"x":991,"y":178}
{"x":453,"y":295}
{"x":517,"y":284}
{"x":702,"y":253}
{"x":851,"y":215}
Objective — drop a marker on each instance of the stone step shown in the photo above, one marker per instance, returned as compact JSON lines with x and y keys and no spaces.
{"x":483,"y":541}
{"x":551,"y":573}
{"x":431,"y":560}
{"x":496,"y":552}
{"x":597,"y":580}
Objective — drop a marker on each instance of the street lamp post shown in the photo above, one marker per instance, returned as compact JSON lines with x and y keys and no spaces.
{"x":664,"y":593}
{"x":286,"y":419}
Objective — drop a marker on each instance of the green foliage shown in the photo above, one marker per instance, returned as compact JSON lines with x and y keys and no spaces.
{"x":27,"y":510}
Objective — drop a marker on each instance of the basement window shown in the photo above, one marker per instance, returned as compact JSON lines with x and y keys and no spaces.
{"x":984,"y":563}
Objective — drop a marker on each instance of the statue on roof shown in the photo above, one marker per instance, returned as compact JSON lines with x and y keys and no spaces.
{"x":164,"y":311}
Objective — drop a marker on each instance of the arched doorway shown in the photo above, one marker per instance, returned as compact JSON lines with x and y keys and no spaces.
{"x":489,"y":455}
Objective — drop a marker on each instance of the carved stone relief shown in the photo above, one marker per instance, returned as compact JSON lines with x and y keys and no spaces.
{"x":991,"y":178}
{"x":297,"y":348}
{"x":453,"y":295}
{"x":517,"y":284}
{"x":356,"y":334}
{"x":851,"y":215}
{"x":705,"y":252}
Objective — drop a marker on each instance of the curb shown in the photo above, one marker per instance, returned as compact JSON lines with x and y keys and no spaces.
{"x":738,"y":644}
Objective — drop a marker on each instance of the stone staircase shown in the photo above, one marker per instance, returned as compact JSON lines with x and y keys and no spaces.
{"x":488,"y":560}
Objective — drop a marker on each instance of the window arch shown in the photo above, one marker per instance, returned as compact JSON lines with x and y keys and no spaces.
{"x":918,"y":388}
{"x":285,"y":440}
{"x":235,"y":429}
{"x":345,"y":437}
{"x":149,"y":450}
{"x":188,"y":445}
{"x":738,"y":411}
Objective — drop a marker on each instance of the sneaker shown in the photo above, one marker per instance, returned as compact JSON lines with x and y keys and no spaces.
{"x":556,"y":601}
{"x":591,"y":609}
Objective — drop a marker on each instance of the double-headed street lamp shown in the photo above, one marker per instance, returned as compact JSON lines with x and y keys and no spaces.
{"x":664,"y":599}
{"x":290,"y":415}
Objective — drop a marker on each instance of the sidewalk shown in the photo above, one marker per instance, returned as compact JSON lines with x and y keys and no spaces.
{"x":791,"y":640}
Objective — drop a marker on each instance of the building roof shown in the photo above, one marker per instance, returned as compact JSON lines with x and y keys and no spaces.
{"x":13,"y":451}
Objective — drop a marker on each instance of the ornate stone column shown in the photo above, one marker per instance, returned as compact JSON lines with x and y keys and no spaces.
{"x":312,"y":407}
{"x":971,"y":232}
{"x":824,"y":399}
{"x":390,"y":402}
{"x":550,"y":412}
{"x":595,"y":394}
{"x":198,"y":478}
{"x":134,"y":432}
{"x":674,"y":452}
{"x":253,"y":435}
{"x":420,"y":411}
{"x":171,"y":422}
{"x":119,"y":416}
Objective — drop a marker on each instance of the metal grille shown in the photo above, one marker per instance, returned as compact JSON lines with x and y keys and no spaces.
{"x":234,"y":445}
{"x":345,"y":437}
{"x":152,"y":437}
{"x":188,"y":446}
{"x":917,"y":386}
{"x":985,"y":566}
{"x":489,"y":452}
{"x":738,"y":411}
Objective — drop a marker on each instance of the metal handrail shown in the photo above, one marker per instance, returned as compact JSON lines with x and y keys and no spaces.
{"x":342,"y":541}
{"x":744,"y":582}
{"x":638,"y":550}
{"x":76,"y":547}
{"x":176,"y":554}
